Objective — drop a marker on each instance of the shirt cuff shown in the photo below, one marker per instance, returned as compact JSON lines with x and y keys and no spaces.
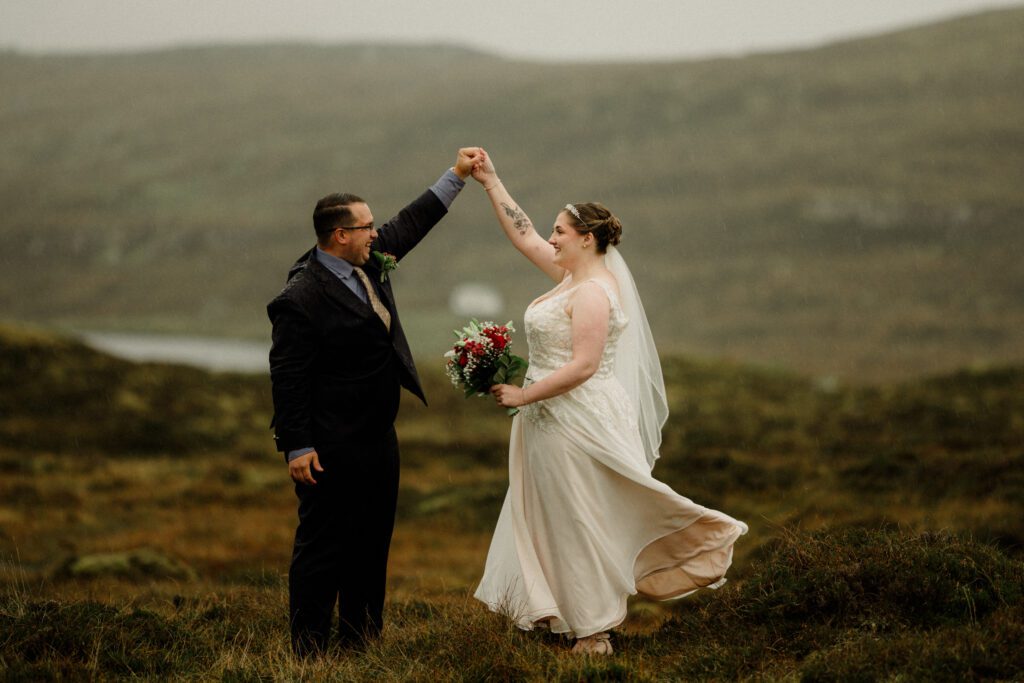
{"x":447,"y":187}
{"x":299,"y":452}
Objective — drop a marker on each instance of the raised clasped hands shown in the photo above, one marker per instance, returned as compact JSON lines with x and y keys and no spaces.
{"x":483,"y":170}
{"x":465,"y":160}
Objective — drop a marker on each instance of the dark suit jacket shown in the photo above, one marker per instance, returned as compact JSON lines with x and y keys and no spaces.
{"x":336,"y":371}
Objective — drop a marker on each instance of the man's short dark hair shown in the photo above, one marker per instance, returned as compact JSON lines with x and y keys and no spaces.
{"x":332,"y":212}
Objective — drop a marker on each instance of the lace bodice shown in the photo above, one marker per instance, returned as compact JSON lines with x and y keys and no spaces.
{"x":549,"y":331}
{"x":549,"y":336}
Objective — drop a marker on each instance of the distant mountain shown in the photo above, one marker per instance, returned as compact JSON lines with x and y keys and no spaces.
{"x":855,"y":209}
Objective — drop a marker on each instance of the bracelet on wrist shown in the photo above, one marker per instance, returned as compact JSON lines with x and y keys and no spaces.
{"x":496,"y":183}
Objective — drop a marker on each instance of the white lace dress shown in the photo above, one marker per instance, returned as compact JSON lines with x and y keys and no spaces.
{"x":584,"y":524}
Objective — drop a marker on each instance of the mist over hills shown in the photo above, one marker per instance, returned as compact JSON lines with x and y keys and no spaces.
{"x":853,"y":210}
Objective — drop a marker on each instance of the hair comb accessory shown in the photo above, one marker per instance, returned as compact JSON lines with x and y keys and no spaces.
{"x":575,"y":212}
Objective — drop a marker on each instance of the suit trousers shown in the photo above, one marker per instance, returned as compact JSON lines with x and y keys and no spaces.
{"x":341,"y":544}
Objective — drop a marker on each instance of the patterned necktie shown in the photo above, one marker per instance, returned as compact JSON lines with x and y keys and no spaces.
{"x":375,"y":303}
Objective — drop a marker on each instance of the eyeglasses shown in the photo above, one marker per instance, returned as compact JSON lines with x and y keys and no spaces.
{"x":368,"y":226}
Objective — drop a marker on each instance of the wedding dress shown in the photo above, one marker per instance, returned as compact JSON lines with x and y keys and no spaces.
{"x":584,"y":523}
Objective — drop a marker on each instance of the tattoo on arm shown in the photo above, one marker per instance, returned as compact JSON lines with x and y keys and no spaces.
{"x":520,"y":221}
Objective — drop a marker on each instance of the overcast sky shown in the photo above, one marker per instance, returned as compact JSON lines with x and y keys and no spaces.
{"x":545,"y":29}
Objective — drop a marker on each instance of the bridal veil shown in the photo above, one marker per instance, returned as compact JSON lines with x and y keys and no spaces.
{"x":637,"y":366}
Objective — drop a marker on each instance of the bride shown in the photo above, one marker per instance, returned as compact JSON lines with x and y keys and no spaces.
{"x":584,"y":524}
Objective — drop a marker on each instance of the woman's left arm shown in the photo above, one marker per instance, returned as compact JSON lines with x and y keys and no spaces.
{"x":590,"y":310}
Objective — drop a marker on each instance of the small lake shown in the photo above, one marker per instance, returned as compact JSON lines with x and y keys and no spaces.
{"x":210,"y":353}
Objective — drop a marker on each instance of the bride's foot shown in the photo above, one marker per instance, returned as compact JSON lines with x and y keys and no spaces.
{"x":597,"y":644}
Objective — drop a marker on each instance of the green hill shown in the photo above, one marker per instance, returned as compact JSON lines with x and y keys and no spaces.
{"x":852,"y":210}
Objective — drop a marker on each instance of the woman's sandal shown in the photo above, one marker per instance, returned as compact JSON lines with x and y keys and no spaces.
{"x":597,"y":644}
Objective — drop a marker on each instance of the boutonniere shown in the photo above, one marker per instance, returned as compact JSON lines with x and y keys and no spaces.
{"x":386,"y":261}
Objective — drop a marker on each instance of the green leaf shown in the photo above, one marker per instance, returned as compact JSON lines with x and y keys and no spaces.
{"x":516,"y":370}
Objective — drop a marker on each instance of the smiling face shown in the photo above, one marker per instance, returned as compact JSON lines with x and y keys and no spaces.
{"x":569,"y":244}
{"x":354,"y":245}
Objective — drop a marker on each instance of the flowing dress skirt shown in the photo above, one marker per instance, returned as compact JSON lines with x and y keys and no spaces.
{"x":584,"y":524}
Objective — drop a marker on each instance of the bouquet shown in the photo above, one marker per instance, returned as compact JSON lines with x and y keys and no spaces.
{"x":481,"y":358}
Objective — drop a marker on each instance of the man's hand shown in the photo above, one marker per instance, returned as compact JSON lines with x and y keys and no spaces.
{"x":465,"y":160}
{"x":300,"y":468}
{"x":483,"y":170}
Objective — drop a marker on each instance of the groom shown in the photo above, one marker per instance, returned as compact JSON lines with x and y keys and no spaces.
{"x":337,"y":365}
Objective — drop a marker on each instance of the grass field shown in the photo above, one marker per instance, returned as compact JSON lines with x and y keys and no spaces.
{"x":145,"y":530}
